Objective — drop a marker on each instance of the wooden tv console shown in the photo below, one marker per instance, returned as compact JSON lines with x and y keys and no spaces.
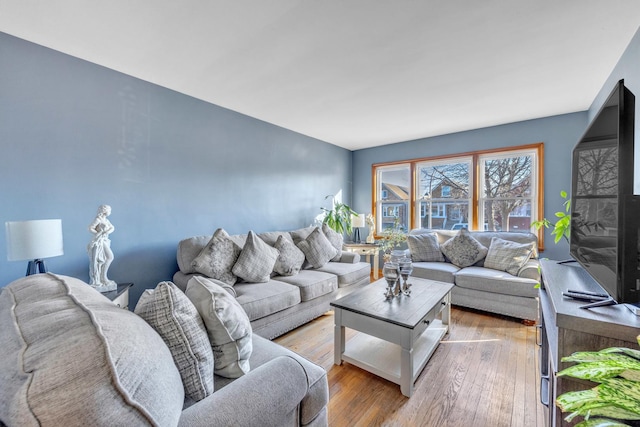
{"x":566,"y":328}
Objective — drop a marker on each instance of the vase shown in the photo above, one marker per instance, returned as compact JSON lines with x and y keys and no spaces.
{"x":391,"y":273}
{"x":396,"y":255}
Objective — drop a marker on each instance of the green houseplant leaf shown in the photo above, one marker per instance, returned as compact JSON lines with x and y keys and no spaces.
{"x":562,"y":226}
{"x":599,"y":422}
{"x":338,"y":218}
{"x":617,"y":397}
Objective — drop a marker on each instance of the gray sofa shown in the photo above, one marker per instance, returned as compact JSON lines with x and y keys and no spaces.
{"x":69,"y":356}
{"x":284,"y":302}
{"x":484,"y":288}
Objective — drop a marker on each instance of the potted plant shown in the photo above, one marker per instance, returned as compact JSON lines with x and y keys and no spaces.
{"x":338,"y":218}
{"x":615,"y":398}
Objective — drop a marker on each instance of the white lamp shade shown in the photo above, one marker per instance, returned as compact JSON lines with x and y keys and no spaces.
{"x":30,"y":240}
{"x":357,"y":221}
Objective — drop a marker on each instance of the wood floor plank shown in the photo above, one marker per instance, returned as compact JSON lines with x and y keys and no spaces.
{"x":484,"y":373}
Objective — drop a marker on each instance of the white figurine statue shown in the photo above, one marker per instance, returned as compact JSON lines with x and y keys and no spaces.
{"x":99,"y":249}
{"x":371,"y":223}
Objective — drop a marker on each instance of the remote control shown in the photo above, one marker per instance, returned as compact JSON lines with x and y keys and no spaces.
{"x":584,"y":297}
{"x":595,"y":294}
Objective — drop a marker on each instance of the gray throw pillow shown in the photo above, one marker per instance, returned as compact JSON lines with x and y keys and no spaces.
{"x":335,"y":238}
{"x":463,"y":250}
{"x":424,"y":247}
{"x":300,"y":234}
{"x":505,"y":255}
{"x":290,"y":258}
{"x":317,"y":249}
{"x":168,"y":310}
{"x":256,"y":260}
{"x":227,"y":325}
{"x":217,"y":258}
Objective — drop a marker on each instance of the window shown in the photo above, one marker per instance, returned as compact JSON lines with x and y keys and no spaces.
{"x":393,"y":186}
{"x":499,"y":189}
{"x":443,"y":190}
{"x":508,"y":187}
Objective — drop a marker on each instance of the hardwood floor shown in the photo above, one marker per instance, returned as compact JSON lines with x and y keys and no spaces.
{"x":484,"y":373}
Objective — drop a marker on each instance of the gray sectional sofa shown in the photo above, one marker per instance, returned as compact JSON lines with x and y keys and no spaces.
{"x":69,"y":356}
{"x":284,"y":302}
{"x":511,"y":293}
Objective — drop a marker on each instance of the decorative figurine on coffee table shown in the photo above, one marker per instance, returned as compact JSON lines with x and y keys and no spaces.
{"x":99,"y":249}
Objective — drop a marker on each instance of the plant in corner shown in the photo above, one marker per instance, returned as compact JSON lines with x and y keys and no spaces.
{"x":562,"y":226}
{"x":617,"y":397}
{"x":338,"y":218}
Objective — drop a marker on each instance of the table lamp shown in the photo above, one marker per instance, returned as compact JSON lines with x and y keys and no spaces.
{"x":356,"y":222}
{"x":34,"y":240}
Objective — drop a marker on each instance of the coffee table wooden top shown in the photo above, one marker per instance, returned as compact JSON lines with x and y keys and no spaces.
{"x":405,"y":311}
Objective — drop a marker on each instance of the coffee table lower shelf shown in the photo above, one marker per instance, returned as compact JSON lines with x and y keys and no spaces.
{"x":383,"y":358}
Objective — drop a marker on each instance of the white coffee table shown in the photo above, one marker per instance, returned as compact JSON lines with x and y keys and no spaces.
{"x":399,"y":335}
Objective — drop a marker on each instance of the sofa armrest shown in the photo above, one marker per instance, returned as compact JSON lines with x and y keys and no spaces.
{"x":349,"y":257}
{"x":265,"y":396}
{"x":531,"y":270}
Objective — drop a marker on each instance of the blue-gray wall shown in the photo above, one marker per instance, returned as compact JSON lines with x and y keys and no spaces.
{"x":75,"y":135}
{"x":559,"y":134}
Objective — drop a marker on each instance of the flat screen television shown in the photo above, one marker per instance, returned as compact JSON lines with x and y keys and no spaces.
{"x":605,"y":214}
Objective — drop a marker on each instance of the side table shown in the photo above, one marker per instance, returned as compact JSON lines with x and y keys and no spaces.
{"x":120,"y":296}
{"x":369,"y":250}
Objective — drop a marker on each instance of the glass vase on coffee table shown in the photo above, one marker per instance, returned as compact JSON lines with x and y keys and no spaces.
{"x":391,"y":273}
{"x":406,"y":268}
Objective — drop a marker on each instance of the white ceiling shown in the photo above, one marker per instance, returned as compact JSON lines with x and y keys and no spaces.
{"x":355,"y":73}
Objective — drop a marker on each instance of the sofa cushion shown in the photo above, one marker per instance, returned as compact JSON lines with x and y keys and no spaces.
{"x":317,"y":248}
{"x":218,"y":257}
{"x":270,"y":237}
{"x":238,"y":239}
{"x":347,"y":273}
{"x":256,"y":260}
{"x":505,"y":255}
{"x":69,"y":356}
{"x":262,"y":299}
{"x":335,"y":239}
{"x":168,"y":310}
{"x":463,"y":250}
{"x":312,"y":283}
{"x":290,"y":258}
{"x":424,"y":247}
{"x":494,"y":281}
{"x":440,"y":271}
{"x":227,"y":325}
{"x":188,"y":250}
{"x":302,"y":233}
